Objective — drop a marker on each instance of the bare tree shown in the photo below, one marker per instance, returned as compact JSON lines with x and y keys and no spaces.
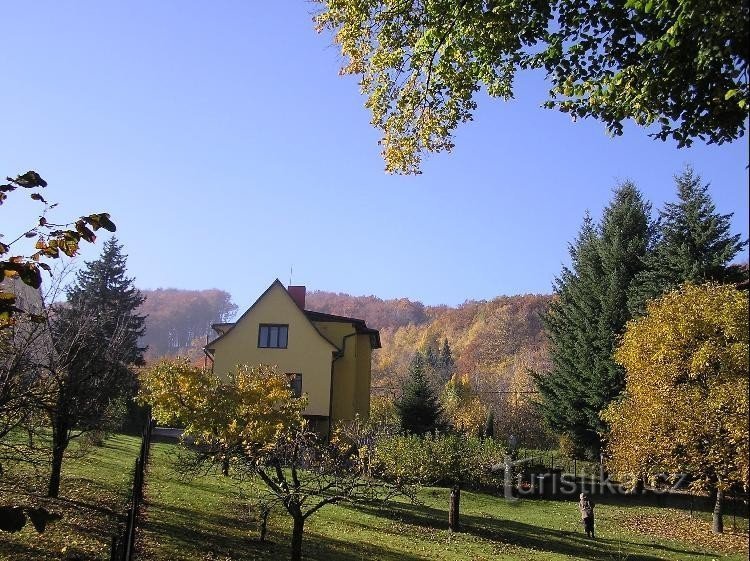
{"x":303,"y":473}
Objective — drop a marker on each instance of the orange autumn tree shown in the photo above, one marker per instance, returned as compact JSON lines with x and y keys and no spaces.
{"x":685,"y":404}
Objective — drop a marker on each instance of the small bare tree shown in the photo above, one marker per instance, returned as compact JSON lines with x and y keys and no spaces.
{"x":253,"y":421}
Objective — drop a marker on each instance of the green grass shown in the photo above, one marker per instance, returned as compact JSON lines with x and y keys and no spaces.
{"x":93,"y":494}
{"x":206,"y":519}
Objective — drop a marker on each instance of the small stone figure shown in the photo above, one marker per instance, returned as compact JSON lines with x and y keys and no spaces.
{"x":586,"y":506}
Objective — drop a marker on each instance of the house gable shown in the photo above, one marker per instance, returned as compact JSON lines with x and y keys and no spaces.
{"x":307,"y":352}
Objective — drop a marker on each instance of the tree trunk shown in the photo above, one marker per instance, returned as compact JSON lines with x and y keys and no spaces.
{"x":264,"y":514}
{"x":718,"y":521}
{"x":297,"y":530}
{"x":225,"y":467}
{"x":59,"y":444}
{"x":453,"y":512}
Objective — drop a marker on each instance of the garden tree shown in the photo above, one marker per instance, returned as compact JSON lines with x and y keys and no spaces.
{"x":685,"y":405}
{"x":418,"y":406}
{"x":679,"y":66}
{"x":694,"y":244}
{"x":253,"y":419}
{"x":462,"y":407}
{"x":384,"y":415}
{"x":96,"y":336}
{"x":51,"y":240}
{"x":588,"y":316}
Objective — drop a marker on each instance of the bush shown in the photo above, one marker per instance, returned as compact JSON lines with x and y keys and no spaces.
{"x":441,"y":459}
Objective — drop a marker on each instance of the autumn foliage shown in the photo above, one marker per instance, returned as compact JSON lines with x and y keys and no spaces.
{"x":685,"y":406}
{"x":495,"y":345}
{"x":249,"y":410}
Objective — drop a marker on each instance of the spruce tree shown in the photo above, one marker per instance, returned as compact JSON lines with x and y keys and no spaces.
{"x":693,"y":244}
{"x":588,"y":315}
{"x":430,"y":357}
{"x":446,"y":364}
{"x":564,"y":391}
{"x":96,"y":336}
{"x":418,"y":407}
{"x":103,"y":286}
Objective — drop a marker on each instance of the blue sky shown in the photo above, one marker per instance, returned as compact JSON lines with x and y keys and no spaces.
{"x":227,"y":149}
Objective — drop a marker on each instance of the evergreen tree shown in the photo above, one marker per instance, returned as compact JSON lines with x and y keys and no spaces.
{"x":588,"y":315}
{"x":489,"y":425}
{"x":96,"y":339}
{"x":446,"y":364}
{"x":572,"y":335}
{"x":103,"y":286}
{"x":418,"y":408}
{"x":694,"y":245}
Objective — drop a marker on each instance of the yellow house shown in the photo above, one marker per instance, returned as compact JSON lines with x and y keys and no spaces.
{"x":326,"y":357}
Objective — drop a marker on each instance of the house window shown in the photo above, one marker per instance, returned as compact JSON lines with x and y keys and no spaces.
{"x":273,"y":336}
{"x":295,"y":384}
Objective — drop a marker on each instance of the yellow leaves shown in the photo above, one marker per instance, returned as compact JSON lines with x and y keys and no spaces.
{"x":462,"y":405}
{"x":250,"y":410}
{"x":685,"y":404}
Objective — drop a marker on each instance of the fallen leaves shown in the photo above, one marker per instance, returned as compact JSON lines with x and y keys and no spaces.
{"x":677,"y":525}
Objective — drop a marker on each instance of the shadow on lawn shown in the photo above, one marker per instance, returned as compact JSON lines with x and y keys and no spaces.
{"x":195,"y":542}
{"x":520,"y":534}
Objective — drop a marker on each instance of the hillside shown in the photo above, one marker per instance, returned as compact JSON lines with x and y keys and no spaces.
{"x":495,"y":342}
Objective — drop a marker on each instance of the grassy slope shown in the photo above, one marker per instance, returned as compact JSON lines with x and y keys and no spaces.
{"x":205,"y":519}
{"x":93,"y":494}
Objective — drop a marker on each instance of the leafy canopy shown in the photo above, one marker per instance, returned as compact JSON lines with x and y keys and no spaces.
{"x":462,"y":406}
{"x":249,"y":411}
{"x":680,"y":65}
{"x":685,"y":406}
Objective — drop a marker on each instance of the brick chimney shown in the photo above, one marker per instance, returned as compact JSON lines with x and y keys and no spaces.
{"x":298,"y":295}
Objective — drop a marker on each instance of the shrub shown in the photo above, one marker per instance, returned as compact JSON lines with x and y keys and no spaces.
{"x":439,"y":459}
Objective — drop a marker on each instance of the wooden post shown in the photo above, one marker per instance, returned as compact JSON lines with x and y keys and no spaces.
{"x":453,"y":511}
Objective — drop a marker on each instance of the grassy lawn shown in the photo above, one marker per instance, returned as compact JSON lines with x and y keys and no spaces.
{"x":93,"y":494}
{"x":206,"y":519}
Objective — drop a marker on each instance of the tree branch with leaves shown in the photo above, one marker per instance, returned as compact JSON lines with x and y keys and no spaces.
{"x":52,"y":239}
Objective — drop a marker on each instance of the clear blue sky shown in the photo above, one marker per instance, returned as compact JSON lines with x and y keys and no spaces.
{"x":227,"y":149}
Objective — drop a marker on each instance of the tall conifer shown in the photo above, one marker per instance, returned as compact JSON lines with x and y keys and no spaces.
{"x":694,"y":244}
{"x":96,"y":339}
{"x":587,"y":316}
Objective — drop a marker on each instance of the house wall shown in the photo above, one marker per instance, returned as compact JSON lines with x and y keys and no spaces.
{"x":351,"y":372}
{"x":344,"y":368}
{"x":364,"y":376}
{"x":307,"y":352}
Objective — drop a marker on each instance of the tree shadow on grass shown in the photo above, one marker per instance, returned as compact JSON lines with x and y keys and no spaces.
{"x":519,"y":534}
{"x":195,"y":542}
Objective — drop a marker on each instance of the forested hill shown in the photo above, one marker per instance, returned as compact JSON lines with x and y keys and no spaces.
{"x":495,"y":342}
{"x":178,"y":321}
